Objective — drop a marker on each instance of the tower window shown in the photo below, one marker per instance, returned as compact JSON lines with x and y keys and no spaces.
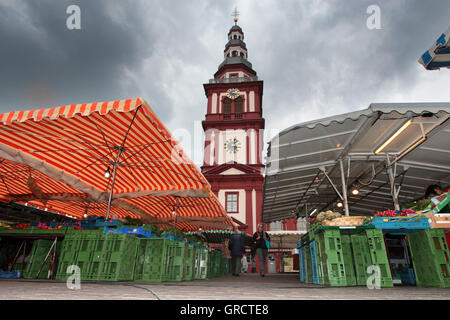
{"x":226,"y":106}
{"x":235,"y":36}
{"x":239,"y":105}
{"x":235,"y":53}
{"x":242,"y":54}
{"x":232,"y":202}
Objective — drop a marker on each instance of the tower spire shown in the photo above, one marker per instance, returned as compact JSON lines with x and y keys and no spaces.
{"x":235,"y":14}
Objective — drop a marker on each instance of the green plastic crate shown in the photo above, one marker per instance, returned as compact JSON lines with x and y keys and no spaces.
{"x":37,"y":256}
{"x":201,"y":263}
{"x":118,"y":258}
{"x":174,"y":269}
{"x":361,"y":257}
{"x":349,"y":265}
{"x":430,"y":256}
{"x":379,"y":257}
{"x":151,"y":259}
{"x":331,"y":258}
{"x":308,"y":263}
{"x":189,"y":262}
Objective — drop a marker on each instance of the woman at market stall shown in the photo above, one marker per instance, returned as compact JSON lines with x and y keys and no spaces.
{"x":259,"y":242}
{"x":434,"y":190}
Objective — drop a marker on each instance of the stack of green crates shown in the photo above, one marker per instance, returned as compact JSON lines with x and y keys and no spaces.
{"x":201,"y":263}
{"x":37,"y":256}
{"x":100,"y":257}
{"x":361,"y":257}
{"x":68,"y":256}
{"x":174,"y":269}
{"x":151,"y":259}
{"x":343,"y":256}
{"x":378,"y":254}
{"x":188,"y":271}
{"x":431,"y":258}
{"x":214,"y":261}
{"x":118,"y":258}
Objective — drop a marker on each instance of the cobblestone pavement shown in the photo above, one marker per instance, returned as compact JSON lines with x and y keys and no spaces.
{"x":248,"y":286}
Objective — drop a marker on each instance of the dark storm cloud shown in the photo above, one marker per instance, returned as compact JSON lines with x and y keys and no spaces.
{"x":318,"y":58}
{"x":45,"y":64}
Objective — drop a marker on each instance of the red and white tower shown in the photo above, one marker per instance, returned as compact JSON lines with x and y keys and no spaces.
{"x":234,"y":128}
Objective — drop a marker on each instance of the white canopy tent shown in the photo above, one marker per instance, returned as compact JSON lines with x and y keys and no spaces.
{"x":390,"y":152}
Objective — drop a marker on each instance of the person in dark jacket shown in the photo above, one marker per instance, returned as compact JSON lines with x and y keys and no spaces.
{"x":259,"y":244}
{"x":237,"y":249}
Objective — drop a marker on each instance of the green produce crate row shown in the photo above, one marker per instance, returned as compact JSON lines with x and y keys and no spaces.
{"x":343,"y":256}
{"x":101,"y":257}
{"x":106,"y":258}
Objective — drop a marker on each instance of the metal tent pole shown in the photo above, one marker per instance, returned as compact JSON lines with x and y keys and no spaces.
{"x":113,"y":182}
{"x":391,"y":175}
{"x":344,"y":188}
{"x":120,"y":149}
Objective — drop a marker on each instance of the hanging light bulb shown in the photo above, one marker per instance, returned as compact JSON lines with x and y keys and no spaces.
{"x":107,"y":173}
{"x":355,"y":191}
{"x":85,"y":216}
{"x":339,"y":204}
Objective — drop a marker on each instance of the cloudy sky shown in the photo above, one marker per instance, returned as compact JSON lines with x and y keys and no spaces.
{"x":317,"y":58}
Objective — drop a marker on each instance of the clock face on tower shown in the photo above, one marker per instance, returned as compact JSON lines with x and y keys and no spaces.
{"x":233,"y":93}
{"x":232,"y":145}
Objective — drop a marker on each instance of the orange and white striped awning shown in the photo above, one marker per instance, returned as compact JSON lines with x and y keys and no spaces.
{"x":20,"y":182}
{"x":69,"y":148}
{"x":77,"y":143}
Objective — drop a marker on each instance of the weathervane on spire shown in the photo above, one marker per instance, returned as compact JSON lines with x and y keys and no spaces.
{"x":235,"y":14}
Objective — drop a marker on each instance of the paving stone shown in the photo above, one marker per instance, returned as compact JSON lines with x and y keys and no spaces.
{"x":248,"y":286}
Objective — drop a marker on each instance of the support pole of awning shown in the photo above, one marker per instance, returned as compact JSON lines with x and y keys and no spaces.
{"x":113,"y":182}
{"x":391,"y":175}
{"x":119,"y":149}
{"x":344,"y":188}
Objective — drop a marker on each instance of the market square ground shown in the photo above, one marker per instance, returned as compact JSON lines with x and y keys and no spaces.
{"x":246,"y":287}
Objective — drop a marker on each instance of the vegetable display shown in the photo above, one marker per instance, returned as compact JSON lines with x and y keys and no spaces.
{"x":393,"y":213}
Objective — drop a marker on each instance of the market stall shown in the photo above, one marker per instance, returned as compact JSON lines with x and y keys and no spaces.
{"x":349,"y":175}
{"x":358,"y":163}
{"x":109,"y":161}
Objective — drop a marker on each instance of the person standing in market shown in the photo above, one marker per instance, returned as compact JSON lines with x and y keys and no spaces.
{"x":260,"y":242}
{"x":237,"y":248}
